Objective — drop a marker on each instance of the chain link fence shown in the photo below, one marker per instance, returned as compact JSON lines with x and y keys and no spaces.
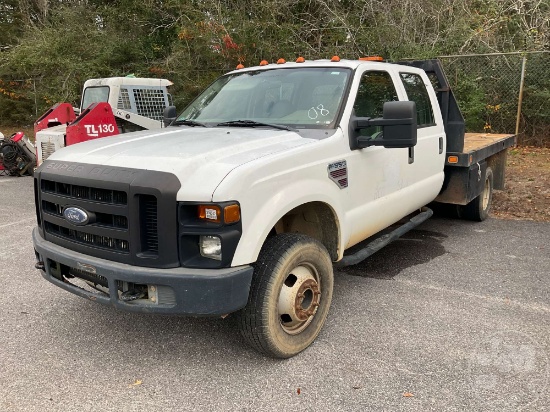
{"x":503,"y":93}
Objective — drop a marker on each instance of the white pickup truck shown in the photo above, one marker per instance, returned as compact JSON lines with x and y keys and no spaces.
{"x":251,"y":195}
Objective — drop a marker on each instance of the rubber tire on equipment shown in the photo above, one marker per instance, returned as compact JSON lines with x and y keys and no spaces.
{"x":478,"y":208}
{"x":260,"y":322}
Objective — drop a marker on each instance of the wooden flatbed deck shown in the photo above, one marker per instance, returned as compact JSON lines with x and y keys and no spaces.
{"x":476,"y":141}
{"x":479,"y":146}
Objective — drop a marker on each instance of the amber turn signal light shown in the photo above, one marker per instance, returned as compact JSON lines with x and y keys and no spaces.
{"x":212,"y":213}
{"x":231,"y":214}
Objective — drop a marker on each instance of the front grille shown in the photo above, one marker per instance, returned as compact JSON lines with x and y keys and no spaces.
{"x":52,"y":208}
{"x":127,"y":211}
{"x":89,"y":239}
{"x":116,"y":197}
{"x":101,"y":219}
{"x":149,"y":219}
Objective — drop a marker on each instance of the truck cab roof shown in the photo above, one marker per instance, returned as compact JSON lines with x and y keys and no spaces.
{"x":351,"y":64}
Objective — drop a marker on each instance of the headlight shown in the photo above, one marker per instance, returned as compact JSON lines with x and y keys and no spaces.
{"x":208,"y":233}
{"x":211,"y":247}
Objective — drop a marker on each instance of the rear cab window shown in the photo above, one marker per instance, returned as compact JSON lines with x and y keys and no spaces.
{"x":417,"y":92}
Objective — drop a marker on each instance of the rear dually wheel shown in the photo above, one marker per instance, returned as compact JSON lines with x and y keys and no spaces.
{"x":478,"y":208}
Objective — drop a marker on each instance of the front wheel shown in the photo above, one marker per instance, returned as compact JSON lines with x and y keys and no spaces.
{"x":290,"y":296}
{"x":478,"y":208}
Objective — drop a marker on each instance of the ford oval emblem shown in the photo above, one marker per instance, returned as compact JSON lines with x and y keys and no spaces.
{"x":76,"y":215}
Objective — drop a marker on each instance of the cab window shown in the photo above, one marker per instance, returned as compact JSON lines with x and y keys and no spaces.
{"x":416,"y":92}
{"x":375,"y":89}
{"x":95,"y":94}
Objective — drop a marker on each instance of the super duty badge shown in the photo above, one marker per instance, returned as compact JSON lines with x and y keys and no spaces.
{"x":338,"y":173}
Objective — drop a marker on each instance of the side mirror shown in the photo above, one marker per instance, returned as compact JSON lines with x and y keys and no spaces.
{"x":169,"y":116}
{"x":398,"y":126}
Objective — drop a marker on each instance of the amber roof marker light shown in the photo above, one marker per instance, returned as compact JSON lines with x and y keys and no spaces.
{"x":335,"y":59}
{"x":300,"y":60}
{"x":372,"y":58}
{"x":264,"y":63}
{"x":281,"y":61}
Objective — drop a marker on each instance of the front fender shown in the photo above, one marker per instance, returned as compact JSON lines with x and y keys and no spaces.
{"x":264,"y":207}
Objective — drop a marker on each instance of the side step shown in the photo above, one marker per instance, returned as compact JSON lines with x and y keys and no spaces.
{"x":379,"y":243}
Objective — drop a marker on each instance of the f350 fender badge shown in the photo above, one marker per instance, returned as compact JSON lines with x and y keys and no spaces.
{"x":338,"y":173}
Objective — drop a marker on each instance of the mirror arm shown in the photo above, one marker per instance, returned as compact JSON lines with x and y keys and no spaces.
{"x":389,"y":122}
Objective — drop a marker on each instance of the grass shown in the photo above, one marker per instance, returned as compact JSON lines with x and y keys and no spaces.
{"x":9,"y":130}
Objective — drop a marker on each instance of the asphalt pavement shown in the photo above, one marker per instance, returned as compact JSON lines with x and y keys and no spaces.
{"x":455,"y":316}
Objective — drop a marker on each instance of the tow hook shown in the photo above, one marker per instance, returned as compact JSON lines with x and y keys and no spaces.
{"x":39,"y":265}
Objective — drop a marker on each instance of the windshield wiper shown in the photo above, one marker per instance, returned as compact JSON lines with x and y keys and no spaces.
{"x":187,"y":122}
{"x":252,"y":123}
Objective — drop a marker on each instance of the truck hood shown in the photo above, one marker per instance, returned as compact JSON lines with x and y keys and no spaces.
{"x":199,"y":157}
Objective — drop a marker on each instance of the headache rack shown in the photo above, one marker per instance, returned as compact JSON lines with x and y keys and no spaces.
{"x":453,"y":120}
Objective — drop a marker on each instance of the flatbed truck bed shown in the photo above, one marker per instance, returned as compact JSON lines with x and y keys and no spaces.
{"x":480,"y":146}
{"x":464,"y":168}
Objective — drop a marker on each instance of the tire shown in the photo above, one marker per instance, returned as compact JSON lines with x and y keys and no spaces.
{"x":289,"y":297}
{"x":478,"y":208}
{"x":30,"y":170}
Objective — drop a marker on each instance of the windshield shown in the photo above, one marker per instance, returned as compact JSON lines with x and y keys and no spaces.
{"x":300,"y":97}
{"x":94,"y":95}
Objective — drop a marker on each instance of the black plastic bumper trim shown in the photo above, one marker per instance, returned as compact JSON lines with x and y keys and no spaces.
{"x":199,"y":292}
